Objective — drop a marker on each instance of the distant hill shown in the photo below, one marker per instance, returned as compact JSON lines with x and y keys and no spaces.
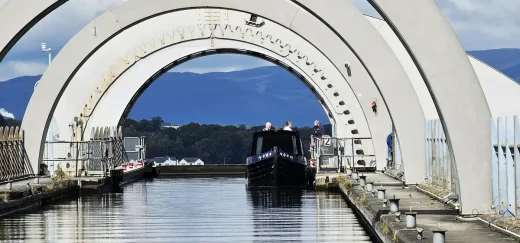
{"x":250,"y":96}
{"x":505,"y":60}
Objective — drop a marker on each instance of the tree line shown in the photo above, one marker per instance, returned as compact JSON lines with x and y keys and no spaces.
{"x":214,"y":144}
{"x":8,"y":122}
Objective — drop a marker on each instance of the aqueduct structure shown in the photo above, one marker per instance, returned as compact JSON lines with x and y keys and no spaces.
{"x":415,"y":70}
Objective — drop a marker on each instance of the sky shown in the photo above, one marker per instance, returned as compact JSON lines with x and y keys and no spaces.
{"x":479,"y":24}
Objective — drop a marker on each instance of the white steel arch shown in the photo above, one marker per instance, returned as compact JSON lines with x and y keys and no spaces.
{"x":455,"y":90}
{"x":140,"y":37}
{"x":402,"y":16}
{"x":114,"y":103}
{"x":304,"y":20}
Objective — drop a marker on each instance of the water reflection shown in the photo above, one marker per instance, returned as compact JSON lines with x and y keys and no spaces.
{"x":189,"y":210}
{"x":275,"y":197}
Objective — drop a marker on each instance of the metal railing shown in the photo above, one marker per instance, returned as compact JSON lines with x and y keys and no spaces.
{"x":93,"y":157}
{"x":335,"y":154}
{"x":14,"y":163}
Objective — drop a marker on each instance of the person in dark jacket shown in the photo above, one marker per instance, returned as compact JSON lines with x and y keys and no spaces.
{"x":390,"y":150}
{"x":318,"y":130}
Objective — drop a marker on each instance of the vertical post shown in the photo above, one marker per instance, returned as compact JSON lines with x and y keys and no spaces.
{"x":502,"y":169}
{"x":494,"y":162}
{"x":516,"y":141}
{"x":510,"y":166}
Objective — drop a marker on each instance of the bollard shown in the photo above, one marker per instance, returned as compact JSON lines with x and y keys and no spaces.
{"x":9,"y":186}
{"x":398,"y":216}
{"x":373,"y":193}
{"x":124,"y":166}
{"x":419,"y":233}
{"x":362,"y":180}
{"x":370,"y":187}
{"x":140,"y":163}
{"x":349,"y":172}
{"x":394,"y":205}
{"x":384,"y":203}
{"x":411,"y":219}
{"x":381,"y":193}
{"x":439,"y":235}
{"x":36,"y":180}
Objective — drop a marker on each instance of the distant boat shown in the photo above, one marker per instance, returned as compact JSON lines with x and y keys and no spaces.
{"x":276,"y":159}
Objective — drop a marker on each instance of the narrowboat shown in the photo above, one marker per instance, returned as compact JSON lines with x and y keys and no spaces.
{"x":276,"y":159}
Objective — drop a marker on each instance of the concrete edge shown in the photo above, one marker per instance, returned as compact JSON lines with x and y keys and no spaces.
{"x":37,"y":200}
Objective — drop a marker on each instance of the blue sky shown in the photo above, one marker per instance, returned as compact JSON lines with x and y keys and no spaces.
{"x":480,"y":24}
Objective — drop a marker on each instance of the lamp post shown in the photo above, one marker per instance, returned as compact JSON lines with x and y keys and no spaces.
{"x":48,"y":50}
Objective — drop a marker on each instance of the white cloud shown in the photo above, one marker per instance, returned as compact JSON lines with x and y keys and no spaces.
{"x":63,"y":23}
{"x":203,"y":70}
{"x":6,"y":114}
{"x":484,"y":24}
{"x":13,"y":69}
{"x":479,"y":24}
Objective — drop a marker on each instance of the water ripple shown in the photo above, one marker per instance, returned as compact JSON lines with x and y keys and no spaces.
{"x":190,"y":210}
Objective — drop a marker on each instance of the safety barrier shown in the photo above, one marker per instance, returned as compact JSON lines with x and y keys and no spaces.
{"x":335,"y":154}
{"x":95,"y":157}
{"x":439,"y":169}
{"x":504,"y":160}
{"x":14,"y":163}
{"x":505,"y":164}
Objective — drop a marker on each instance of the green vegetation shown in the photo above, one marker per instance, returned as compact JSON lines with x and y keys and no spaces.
{"x":9,"y":122}
{"x":213,"y":144}
{"x":384,"y":227}
{"x":343,"y":182}
{"x":5,"y":196}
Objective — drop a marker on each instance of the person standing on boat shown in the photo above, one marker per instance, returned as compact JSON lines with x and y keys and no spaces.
{"x":288,"y":125}
{"x":318,"y":130}
{"x":267,"y":126}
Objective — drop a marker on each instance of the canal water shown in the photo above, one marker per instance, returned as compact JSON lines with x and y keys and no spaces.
{"x":190,"y":210}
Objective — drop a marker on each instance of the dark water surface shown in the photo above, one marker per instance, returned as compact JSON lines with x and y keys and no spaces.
{"x":190,"y":210}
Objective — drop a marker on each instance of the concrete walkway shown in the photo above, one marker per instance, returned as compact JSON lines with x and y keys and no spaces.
{"x":431,"y":214}
{"x":21,"y":185}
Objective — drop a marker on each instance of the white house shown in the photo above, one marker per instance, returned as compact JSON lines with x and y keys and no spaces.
{"x":191,"y":161}
{"x":162,"y":161}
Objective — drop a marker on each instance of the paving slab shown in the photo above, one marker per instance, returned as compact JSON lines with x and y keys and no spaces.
{"x":431,"y":213}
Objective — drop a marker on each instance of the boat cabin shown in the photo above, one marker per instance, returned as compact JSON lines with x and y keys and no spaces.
{"x":286,"y":141}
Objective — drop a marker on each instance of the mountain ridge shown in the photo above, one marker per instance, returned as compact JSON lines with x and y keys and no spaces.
{"x":250,"y":96}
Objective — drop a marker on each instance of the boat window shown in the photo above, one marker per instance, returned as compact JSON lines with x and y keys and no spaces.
{"x":285,"y":143}
{"x":259,"y":145}
{"x":295,"y":145}
{"x":270,"y":141}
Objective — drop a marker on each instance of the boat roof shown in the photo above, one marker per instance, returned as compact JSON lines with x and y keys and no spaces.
{"x":280,"y":132}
